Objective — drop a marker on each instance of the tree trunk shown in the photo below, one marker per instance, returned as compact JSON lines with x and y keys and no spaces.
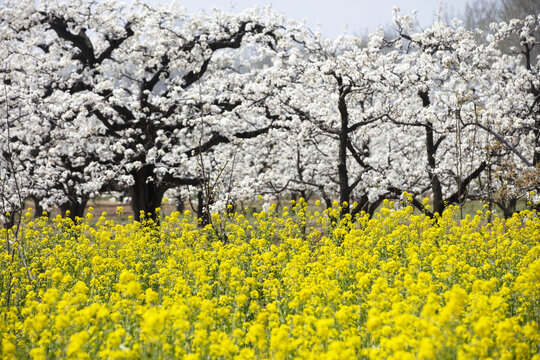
{"x":366,"y":206}
{"x":438,"y":201}
{"x":146,"y":195}
{"x":203,"y":212}
{"x":74,"y":207}
{"x":372,"y":207}
{"x":37,"y":207}
{"x":9,"y":221}
{"x":180,"y":206}
{"x":536,"y":132}
{"x":344,"y":189}
{"x":431,"y":149}
{"x":508,"y":207}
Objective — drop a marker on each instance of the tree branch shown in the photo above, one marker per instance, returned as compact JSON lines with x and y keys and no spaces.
{"x":362,"y":123}
{"x":503,"y":140}
{"x":455,"y":197}
{"x":217,"y":139}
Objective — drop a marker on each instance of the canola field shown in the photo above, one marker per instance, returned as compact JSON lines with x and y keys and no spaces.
{"x":293,"y":284}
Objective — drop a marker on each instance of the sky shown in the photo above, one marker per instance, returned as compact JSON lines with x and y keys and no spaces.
{"x":356,"y":17}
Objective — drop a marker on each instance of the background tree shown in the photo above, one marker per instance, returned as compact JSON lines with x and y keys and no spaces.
{"x":223,"y":106}
{"x":514,"y":111}
{"x":164,"y":86}
{"x":444,"y":74}
{"x":481,"y":14}
{"x":332,"y":98}
{"x":15,"y":107}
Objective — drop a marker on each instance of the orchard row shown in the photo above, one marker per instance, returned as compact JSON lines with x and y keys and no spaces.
{"x":215,"y":107}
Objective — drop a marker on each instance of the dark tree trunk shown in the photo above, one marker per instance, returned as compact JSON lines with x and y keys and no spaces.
{"x":74,"y":207}
{"x":203,"y":212}
{"x":180,"y":206}
{"x":438,"y":201}
{"x":372,"y":207}
{"x":431,"y":149}
{"x":366,"y":206}
{"x":344,"y":189}
{"x":327,"y":202}
{"x":231,"y":208}
{"x":536,"y":132}
{"x":9,"y":221}
{"x":508,"y":207}
{"x":37,"y":207}
{"x":146,"y":195}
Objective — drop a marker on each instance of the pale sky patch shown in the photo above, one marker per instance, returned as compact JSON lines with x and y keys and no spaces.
{"x":337,"y":17}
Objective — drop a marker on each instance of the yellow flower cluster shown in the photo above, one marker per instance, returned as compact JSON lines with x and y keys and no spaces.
{"x":299,"y":284}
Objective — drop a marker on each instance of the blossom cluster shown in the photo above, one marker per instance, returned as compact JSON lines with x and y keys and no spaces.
{"x":297,"y":283}
{"x":101,"y":97}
